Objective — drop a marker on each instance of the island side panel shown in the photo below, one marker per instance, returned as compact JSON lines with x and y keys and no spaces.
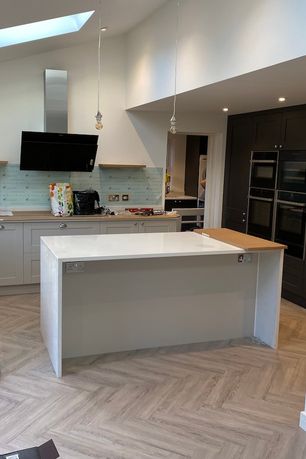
{"x":51,"y":306}
{"x":268,"y":296}
{"x":132,"y":304}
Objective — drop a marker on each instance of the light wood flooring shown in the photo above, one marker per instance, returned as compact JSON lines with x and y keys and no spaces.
{"x":227,"y":400}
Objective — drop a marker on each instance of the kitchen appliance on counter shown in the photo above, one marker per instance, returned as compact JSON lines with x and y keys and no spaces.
{"x":86,"y":202}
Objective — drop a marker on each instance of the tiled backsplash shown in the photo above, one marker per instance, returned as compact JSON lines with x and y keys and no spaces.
{"x":30,"y":189}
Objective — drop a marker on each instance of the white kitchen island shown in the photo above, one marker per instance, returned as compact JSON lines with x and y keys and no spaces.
{"x":109,"y":293}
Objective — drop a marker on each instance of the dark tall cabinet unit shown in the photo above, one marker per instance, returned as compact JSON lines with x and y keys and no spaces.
{"x":262,"y":131}
{"x":239,"y":145}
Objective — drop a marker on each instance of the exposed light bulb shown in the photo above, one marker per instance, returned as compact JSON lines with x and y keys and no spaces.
{"x":225,"y":109}
{"x":282,"y":99}
{"x":99,"y":124}
{"x":173,"y":125}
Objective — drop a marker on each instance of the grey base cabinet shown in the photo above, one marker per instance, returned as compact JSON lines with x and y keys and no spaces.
{"x":20,"y":242}
{"x":11,"y":254}
{"x":32,"y":233}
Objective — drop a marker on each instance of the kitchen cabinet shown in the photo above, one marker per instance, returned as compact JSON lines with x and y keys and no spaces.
{"x":146,"y":226}
{"x":33,"y":233}
{"x":238,"y":155}
{"x":268,"y":131}
{"x":293,"y":130}
{"x":20,"y":242}
{"x":11,"y":249}
{"x":119,"y":227}
{"x":294,"y":280}
{"x":160,"y":226}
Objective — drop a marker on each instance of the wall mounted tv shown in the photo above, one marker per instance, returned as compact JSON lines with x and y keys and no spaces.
{"x":46,"y":151}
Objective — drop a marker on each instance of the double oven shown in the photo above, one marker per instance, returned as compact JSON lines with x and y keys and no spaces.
{"x":277,"y":199}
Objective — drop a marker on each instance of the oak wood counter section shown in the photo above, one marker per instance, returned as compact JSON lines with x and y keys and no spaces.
{"x":45,"y":216}
{"x":241,"y":240}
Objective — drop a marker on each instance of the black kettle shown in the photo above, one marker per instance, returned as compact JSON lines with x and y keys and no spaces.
{"x":86,"y":202}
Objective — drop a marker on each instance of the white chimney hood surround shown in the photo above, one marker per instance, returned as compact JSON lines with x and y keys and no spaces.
{"x":55,"y":101}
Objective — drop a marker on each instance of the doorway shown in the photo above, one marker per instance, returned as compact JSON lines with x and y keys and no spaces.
{"x":186,"y":178}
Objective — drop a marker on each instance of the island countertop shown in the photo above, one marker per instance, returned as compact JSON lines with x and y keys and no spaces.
{"x":131,"y":246}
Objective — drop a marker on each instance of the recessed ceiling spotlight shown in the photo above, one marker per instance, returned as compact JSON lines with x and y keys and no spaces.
{"x":282,"y":99}
{"x":225,"y":109}
{"x":104,"y":29}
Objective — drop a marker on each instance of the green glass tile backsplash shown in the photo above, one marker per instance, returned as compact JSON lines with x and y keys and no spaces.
{"x":30,"y":189}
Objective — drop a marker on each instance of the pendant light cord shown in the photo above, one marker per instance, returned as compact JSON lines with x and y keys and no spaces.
{"x":99,"y":53}
{"x":176,"y":54}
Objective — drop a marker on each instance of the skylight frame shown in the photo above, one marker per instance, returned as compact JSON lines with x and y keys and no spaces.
{"x":43,"y":29}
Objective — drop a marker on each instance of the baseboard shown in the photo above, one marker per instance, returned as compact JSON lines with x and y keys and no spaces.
{"x":303,"y":420}
{"x":19,"y":289}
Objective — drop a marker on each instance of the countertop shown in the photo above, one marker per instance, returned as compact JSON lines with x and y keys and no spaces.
{"x":45,"y":216}
{"x":173,"y":195}
{"x":241,"y":240}
{"x":134,"y":246}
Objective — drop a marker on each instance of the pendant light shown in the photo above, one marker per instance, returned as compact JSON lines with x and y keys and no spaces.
{"x":172,"y":128}
{"x":98,"y":116}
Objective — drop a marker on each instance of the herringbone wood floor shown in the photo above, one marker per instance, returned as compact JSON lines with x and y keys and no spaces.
{"x":229,"y":400}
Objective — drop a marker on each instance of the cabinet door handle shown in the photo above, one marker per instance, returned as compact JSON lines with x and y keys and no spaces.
{"x":135,"y":224}
{"x":243,"y":220}
{"x":2,"y":227}
{"x":142,"y":223}
{"x":62,"y":226}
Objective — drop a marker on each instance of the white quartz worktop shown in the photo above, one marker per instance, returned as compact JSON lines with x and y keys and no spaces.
{"x":129,"y":246}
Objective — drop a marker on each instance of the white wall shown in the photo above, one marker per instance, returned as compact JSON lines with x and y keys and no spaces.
{"x":127,"y":137}
{"x":22,"y":104}
{"x":218,"y":39}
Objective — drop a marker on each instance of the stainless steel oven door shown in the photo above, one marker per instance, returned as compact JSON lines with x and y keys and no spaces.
{"x":290,"y":226}
{"x":260,"y":214}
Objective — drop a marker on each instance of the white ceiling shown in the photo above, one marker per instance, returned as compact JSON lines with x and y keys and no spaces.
{"x":250,"y":92}
{"x":119,"y":15}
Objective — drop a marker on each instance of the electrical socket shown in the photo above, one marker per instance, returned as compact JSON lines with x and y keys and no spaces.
{"x":113,"y":197}
{"x":125,"y":197}
{"x":75,"y":267}
{"x":245,"y":258}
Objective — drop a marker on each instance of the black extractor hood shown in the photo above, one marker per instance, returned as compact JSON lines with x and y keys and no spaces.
{"x":55,"y":149}
{"x":46,"y":151}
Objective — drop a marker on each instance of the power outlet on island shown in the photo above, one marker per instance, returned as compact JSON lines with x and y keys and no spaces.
{"x":125,"y":197}
{"x":244,"y":258}
{"x":75,"y":267}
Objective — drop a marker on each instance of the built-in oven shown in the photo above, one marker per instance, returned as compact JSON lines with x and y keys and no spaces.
{"x":263,"y":169}
{"x":260,"y":216}
{"x":290,"y":222}
{"x":292,"y":171}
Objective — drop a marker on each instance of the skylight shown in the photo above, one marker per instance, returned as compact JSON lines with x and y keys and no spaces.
{"x":43,"y":29}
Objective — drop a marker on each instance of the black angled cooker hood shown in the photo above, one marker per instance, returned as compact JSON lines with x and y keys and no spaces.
{"x":46,"y":151}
